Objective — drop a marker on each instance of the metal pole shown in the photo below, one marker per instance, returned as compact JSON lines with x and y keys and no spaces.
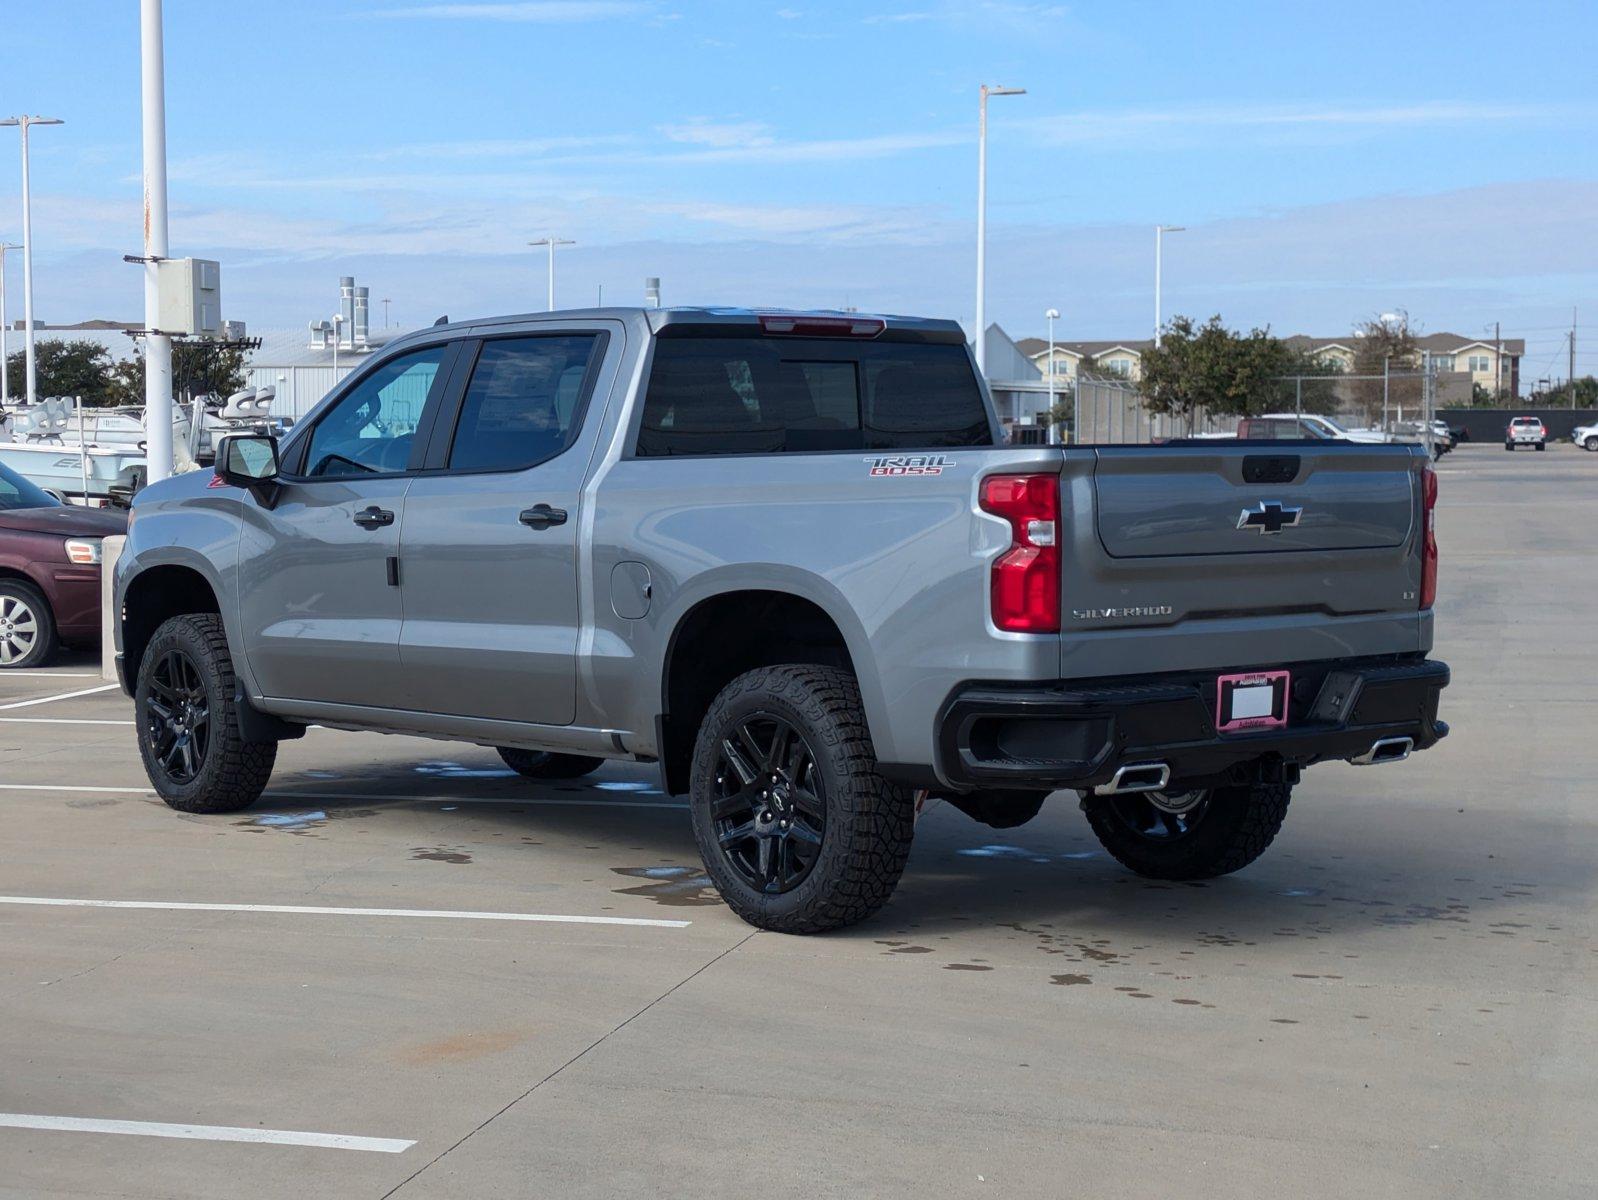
{"x":982,"y":231}
{"x":982,"y":220}
{"x":157,"y":345}
{"x":1159,"y":246}
{"x":30,"y":384}
{"x":1051,"y":314}
{"x":1387,"y":362}
{"x":83,"y":451}
{"x":551,"y":274}
{"x":5,"y":332}
{"x":1572,"y":358}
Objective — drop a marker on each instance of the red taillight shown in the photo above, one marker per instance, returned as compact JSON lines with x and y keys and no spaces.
{"x":1026,"y":577}
{"x":798,"y":325}
{"x":1428,"y":562}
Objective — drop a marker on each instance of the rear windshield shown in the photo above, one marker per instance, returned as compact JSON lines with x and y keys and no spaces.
{"x":763,"y":395}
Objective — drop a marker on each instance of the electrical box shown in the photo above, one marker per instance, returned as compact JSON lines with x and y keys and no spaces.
{"x":191,"y":296}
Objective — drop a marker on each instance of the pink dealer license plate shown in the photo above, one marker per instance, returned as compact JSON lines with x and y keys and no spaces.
{"x":1253,"y":701}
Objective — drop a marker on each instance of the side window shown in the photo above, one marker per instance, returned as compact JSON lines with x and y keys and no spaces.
{"x":371,"y":428}
{"x":524,"y":402}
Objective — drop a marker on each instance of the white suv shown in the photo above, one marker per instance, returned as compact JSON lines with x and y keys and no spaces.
{"x":1585,"y":436}
{"x":1526,"y":431}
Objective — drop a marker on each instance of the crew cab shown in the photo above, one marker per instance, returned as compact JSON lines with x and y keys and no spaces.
{"x":1526,"y":431}
{"x":786,"y":557}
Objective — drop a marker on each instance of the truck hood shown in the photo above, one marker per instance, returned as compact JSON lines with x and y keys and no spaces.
{"x":67,"y":520}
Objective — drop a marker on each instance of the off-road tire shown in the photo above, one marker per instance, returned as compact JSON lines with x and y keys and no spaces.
{"x":869,"y":821}
{"x":1542,"y":445}
{"x":1509,"y":446}
{"x":1237,"y":825}
{"x":44,"y":639}
{"x":542,"y":764}
{"x":233,"y":772}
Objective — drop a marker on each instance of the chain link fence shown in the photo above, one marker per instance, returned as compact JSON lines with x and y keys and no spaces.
{"x":1400,"y":404}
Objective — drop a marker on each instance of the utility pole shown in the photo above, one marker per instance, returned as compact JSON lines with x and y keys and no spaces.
{"x":1159,"y":246}
{"x":981,"y":337}
{"x":22,"y":123}
{"x":1572,"y":357}
{"x":5,"y":330}
{"x":157,"y":345}
{"x":552,"y":242}
{"x":1498,"y":364}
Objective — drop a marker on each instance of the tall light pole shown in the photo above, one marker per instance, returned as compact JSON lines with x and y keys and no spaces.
{"x":22,"y":123}
{"x":1051,"y":316}
{"x":5,"y":329}
{"x":157,"y":345}
{"x":552,"y":242}
{"x":1159,"y":253}
{"x":982,"y":219}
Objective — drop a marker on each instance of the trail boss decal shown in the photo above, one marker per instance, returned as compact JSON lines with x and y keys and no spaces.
{"x":909,"y":464}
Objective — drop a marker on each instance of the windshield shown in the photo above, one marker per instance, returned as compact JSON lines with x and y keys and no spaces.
{"x":1341,"y":432}
{"x":17,"y":492}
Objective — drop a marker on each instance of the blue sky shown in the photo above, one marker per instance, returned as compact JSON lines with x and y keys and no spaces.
{"x":1328,"y":161}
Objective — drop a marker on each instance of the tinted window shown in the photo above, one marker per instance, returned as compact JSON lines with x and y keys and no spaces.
{"x":755,"y":395}
{"x":523,"y":404}
{"x":372,"y":426}
{"x":17,"y":492}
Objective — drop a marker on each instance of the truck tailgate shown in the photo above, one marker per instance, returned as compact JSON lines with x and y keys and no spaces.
{"x":1223,"y":546}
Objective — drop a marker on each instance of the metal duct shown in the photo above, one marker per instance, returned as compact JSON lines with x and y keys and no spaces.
{"x":362,"y":317}
{"x":346,"y":292}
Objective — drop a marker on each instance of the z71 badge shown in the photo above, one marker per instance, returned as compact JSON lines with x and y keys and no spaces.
{"x":909,"y":464}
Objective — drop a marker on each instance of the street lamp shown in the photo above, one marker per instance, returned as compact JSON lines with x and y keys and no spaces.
{"x":22,"y":123}
{"x":5,"y":329}
{"x":982,"y":218}
{"x":1051,"y":316}
{"x":1159,"y":246}
{"x":552,"y":242}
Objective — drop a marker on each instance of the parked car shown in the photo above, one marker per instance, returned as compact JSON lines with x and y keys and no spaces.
{"x":1526,"y":431}
{"x":1416,"y":431}
{"x":1277,"y":426}
{"x":49,"y":571}
{"x":785,"y":557}
{"x":1585,"y":436}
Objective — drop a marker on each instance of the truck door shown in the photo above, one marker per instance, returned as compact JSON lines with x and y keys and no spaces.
{"x":318,"y":607}
{"x":489,"y":552}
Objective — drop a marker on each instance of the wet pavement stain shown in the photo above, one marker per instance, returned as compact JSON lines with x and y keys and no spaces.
{"x":965,"y":967}
{"x":439,"y":854}
{"x":1070,"y":980}
{"x":673,"y":886}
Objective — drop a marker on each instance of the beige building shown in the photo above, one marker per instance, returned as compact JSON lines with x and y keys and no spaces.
{"x":1451,"y":353}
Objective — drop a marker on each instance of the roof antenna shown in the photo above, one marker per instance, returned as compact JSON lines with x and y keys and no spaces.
{"x":444,"y":320}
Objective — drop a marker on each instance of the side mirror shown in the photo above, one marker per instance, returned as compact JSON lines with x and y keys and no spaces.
{"x":249,"y":460}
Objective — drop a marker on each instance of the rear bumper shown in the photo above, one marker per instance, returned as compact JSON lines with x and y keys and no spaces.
{"x":1078,"y":736}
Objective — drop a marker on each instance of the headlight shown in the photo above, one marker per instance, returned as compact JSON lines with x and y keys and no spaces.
{"x":84,"y":551}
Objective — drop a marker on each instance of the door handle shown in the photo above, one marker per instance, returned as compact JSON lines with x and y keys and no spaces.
{"x":542,"y":516}
{"x":374,"y":518}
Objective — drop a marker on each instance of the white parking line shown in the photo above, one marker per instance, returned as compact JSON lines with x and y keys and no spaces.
{"x":105,"y":687}
{"x":50,"y":675}
{"x":317,"y":910}
{"x":293,"y":797}
{"x":207,"y":1133}
{"x":59,"y":721}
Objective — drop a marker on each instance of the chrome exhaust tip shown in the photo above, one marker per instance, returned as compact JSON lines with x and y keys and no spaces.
{"x":1136,"y":777}
{"x":1385,"y":750}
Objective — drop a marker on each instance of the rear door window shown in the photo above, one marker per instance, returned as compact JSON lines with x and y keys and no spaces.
{"x":523,"y":405}
{"x":765,"y":395}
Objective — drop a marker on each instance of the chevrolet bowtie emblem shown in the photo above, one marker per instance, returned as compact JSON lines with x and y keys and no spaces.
{"x":1269,"y":516}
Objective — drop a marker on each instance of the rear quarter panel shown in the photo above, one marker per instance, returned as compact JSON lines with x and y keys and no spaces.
{"x":900,"y":563}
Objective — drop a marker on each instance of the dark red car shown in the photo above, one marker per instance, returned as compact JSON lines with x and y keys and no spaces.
{"x":49,"y":571}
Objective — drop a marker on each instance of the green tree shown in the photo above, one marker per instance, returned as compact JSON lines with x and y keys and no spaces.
{"x":1209,"y":368}
{"x":1385,"y":346}
{"x":198,"y":368}
{"x":62,"y":368}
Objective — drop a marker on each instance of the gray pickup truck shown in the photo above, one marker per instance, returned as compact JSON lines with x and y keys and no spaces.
{"x":787,"y":557}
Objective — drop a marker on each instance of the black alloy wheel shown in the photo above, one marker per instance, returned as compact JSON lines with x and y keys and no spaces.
{"x":178,"y":716}
{"x":769,"y":809}
{"x":1160,"y":816}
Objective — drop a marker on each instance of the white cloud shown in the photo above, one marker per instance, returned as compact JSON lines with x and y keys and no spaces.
{"x":701,"y":131}
{"x":536,"y":12}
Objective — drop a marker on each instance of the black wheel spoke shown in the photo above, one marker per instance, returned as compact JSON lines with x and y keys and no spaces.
{"x":738,"y":833}
{"x":730,"y":806}
{"x":751,"y":748}
{"x":802,"y":831}
{"x":808,"y":804}
{"x":766,"y":845}
{"x":735,"y":755}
